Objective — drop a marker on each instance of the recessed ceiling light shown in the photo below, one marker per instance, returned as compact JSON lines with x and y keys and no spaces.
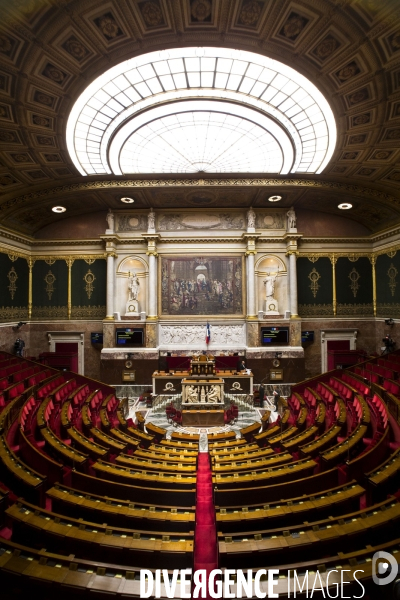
{"x":127,"y":200}
{"x":59,"y":209}
{"x":275,"y":198}
{"x":345,"y":206}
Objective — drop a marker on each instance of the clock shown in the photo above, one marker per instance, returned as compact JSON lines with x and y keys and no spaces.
{"x":128,"y":364}
{"x":276,"y":362}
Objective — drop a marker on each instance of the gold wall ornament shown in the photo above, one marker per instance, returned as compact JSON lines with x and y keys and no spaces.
{"x":392,"y":273}
{"x":313,"y":258}
{"x":50,"y":279}
{"x":13,"y":257}
{"x":314,"y":276}
{"x":353,"y":257}
{"x":354,"y":276}
{"x":12,"y":278}
{"x":49,"y":261}
{"x":391,"y":253}
{"x":89,"y":261}
{"x":89,"y":278}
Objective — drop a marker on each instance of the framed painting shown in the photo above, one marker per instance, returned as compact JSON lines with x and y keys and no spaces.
{"x":209,"y":285}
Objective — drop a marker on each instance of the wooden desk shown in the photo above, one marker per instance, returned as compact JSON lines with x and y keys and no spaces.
{"x":158,"y":433}
{"x":140,"y":420}
{"x":122,"y":474}
{"x":125,"y":439}
{"x":242,"y":455}
{"x":134,"y":492}
{"x":121,"y":513}
{"x":251,"y":464}
{"x":282,"y":513}
{"x":249,"y":432}
{"x":232,"y":381}
{"x":185,"y":437}
{"x":68,"y":455}
{"x":98,"y":539}
{"x":202,"y":418}
{"x":19,"y":477}
{"x":94,"y":450}
{"x":108,"y":441}
{"x":224,"y":436}
{"x":288,"y":472}
{"x":144,"y":439}
{"x":140,"y":464}
{"x":172,"y":457}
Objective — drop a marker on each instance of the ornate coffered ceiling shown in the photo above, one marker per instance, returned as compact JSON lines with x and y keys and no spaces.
{"x":50,"y":50}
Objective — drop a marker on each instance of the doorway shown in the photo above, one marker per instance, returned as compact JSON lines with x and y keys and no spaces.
{"x":336,"y":339}
{"x":68,"y":341}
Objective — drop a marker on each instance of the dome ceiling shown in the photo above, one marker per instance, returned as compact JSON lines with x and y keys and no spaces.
{"x":51,"y":51}
{"x":125,"y":94}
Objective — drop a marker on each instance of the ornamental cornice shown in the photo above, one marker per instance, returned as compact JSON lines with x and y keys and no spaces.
{"x":200,"y":182}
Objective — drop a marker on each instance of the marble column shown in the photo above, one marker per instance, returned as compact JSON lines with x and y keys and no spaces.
{"x":291,"y":252}
{"x":251,"y":298}
{"x":293,"y":285}
{"x":251,"y":251}
{"x":151,"y":239}
{"x":152,"y":314}
{"x":110,"y":287}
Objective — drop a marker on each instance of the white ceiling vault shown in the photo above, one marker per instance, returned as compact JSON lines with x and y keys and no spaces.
{"x":189,"y":110}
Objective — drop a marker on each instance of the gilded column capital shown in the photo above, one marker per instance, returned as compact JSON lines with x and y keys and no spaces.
{"x":333,"y":258}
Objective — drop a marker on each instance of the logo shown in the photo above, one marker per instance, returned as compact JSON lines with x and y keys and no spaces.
{"x":384,"y":568}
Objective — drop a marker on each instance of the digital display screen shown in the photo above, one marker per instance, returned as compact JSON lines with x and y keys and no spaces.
{"x":129,"y":337}
{"x":96,"y":338}
{"x":307,"y":336}
{"x":274,"y":335}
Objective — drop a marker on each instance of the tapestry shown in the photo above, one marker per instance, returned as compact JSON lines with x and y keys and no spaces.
{"x":209,"y":285}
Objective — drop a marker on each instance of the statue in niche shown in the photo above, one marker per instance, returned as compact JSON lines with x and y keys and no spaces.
{"x":291,"y":218}
{"x":270,"y":285}
{"x":151,"y":220}
{"x":110,"y":220}
{"x":133,"y":287}
{"x":251,"y":219}
{"x":214,"y":394}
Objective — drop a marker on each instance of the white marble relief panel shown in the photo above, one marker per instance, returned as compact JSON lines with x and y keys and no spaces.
{"x":222,"y":336}
{"x":200,"y":220}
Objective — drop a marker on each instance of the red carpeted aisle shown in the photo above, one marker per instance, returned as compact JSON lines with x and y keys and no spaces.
{"x":205,"y":533}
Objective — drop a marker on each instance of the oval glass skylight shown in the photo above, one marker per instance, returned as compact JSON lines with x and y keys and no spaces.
{"x":124,"y":98}
{"x":201,"y":136}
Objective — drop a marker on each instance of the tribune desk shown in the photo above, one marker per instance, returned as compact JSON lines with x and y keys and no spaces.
{"x":202,"y":418}
{"x":171,"y":383}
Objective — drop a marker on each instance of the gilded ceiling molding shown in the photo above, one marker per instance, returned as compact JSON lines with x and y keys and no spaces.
{"x":169,"y":183}
{"x":50,"y":259}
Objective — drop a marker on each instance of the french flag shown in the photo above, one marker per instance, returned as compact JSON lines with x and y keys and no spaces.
{"x":208,"y":333}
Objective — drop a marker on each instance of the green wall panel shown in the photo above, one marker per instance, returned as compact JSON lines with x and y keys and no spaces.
{"x":388,"y":285}
{"x":14,"y":285}
{"x":89,"y":288}
{"x":314,"y":287}
{"x":354,"y":287}
{"x":50,"y":289}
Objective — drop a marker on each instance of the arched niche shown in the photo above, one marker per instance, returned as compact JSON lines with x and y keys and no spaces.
{"x":131,"y":264}
{"x":275,"y":264}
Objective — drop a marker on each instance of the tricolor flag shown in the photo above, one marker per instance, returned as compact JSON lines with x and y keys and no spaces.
{"x":208,"y":333}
